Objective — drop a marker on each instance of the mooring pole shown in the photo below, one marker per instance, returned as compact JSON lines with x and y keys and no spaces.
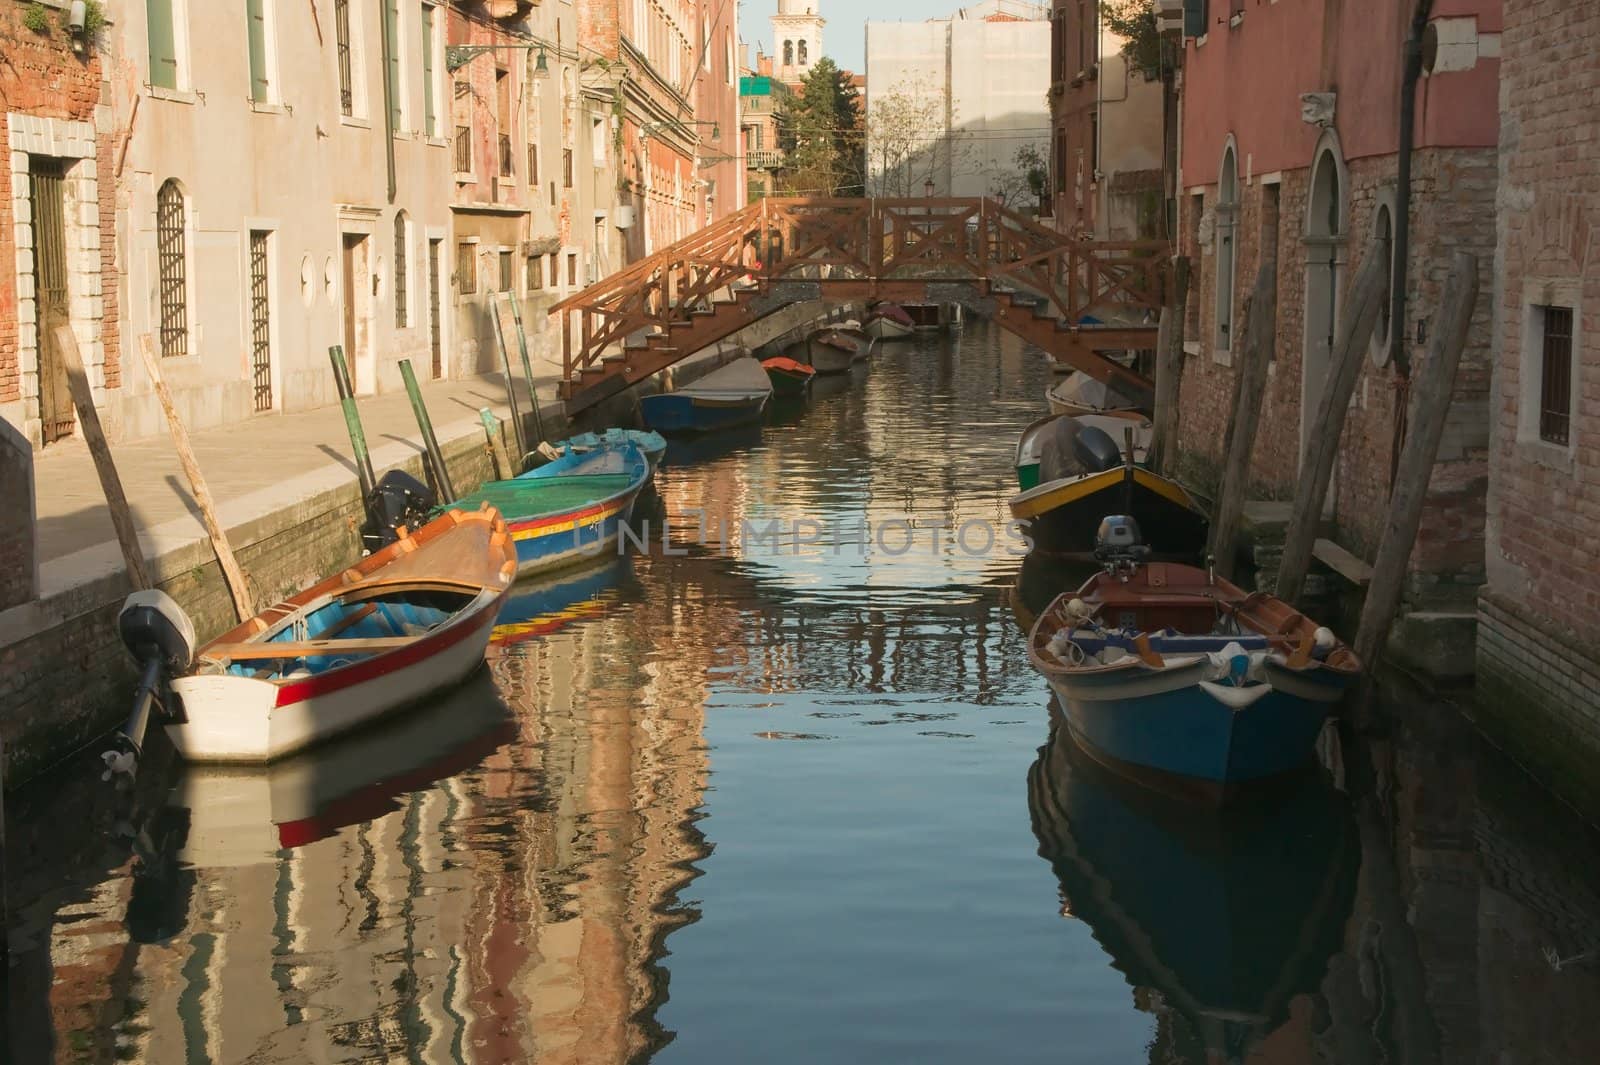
{"x":527,"y":368}
{"x":1163,"y":452}
{"x":352,"y":422}
{"x":1250,"y":389}
{"x":497,"y":443}
{"x":430,"y":443}
{"x":511,"y":387}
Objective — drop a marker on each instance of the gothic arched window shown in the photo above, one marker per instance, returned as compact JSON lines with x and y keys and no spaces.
{"x":788,"y":53}
{"x":803,"y":59}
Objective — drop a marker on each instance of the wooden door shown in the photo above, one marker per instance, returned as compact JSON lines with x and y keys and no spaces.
{"x":347,"y":287}
{"x":46,"y":182}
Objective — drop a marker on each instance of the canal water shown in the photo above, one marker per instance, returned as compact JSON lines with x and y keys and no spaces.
{"x":782,"y":787}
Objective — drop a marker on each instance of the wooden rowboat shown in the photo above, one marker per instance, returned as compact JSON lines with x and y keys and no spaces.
{"x":1079,"y":394}
{"x":735,"y":394}
{"x":403,"y":623}
{"x":789,"y":378}
{"x":828,"y":351}
{"x":887,"y":321}
{"x":1182,"y":681}
{"x":571,"y":510}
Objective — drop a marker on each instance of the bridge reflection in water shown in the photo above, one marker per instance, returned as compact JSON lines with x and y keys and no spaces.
{"x":525,"y":871}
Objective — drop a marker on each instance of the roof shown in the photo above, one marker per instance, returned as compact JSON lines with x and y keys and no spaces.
{"x":758,"y":85}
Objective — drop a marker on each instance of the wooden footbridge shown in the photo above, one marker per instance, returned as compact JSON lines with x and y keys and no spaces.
{"x":1077,"y":300}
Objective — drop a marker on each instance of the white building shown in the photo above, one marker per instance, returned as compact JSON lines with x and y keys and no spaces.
{"x":279,"y":194}
{"x":950,"y":100}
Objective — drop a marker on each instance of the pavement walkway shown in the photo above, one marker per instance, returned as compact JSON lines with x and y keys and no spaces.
{"x":252,"y":469}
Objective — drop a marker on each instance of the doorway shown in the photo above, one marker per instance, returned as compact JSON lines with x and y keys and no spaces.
{"x":435,"y":327}
{"x":47,"y":187}
{"x":356,"y":280}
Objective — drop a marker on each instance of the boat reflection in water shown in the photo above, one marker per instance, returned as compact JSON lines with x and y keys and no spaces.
{"x":1218,"y":920}
{"x":544,"y":605}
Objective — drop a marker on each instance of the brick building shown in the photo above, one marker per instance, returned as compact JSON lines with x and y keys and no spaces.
{"x":57,"y":258}
{"x":1106,"y":130}
{"x":1540,"y":609}
{"x":762,"y":97}
{"x":1290,"y":134}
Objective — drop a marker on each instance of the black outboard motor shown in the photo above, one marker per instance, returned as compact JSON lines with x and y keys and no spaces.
{"x":1096,"y":450}
{"x":1119,"y":547}
{"x":160,"y":637}
{"x":398,"y":500}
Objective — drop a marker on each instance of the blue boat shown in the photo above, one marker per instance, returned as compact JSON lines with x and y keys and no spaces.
{"x":567,"y":511}
{"x":654,"y":445}
{"x":735,"y":394}
{"x":1181,"y":680}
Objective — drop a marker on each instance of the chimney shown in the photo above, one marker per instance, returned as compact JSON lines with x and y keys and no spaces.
{"x":764,"y":65}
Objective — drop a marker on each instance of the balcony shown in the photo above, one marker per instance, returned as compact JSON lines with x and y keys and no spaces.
{"x":763,"y":159}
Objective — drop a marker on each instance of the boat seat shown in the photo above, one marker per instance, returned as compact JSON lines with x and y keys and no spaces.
{"x":1168,"y":642}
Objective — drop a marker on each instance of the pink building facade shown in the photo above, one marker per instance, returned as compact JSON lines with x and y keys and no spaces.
{"x":1289,"y":142}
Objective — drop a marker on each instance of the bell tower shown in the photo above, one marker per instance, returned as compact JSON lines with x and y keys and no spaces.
{"x":796,"y":39}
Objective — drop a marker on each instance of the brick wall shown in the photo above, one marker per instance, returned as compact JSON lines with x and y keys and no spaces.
{"x":42,"y":76}
{"x":1453,"y":206}
{"x":1543,"y":557}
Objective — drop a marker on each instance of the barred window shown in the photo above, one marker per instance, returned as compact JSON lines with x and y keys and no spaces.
{"x":1555,"y":382}
{"x":402,"y":261}
{"x":341,"y":32}
{"x":172,"y":269}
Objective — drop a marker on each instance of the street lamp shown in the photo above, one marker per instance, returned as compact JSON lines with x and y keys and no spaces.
{"x":459,"y":55}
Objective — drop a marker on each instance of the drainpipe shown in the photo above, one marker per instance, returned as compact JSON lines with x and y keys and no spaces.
{"x":389,"y":91}
{"x":1402,"y":221}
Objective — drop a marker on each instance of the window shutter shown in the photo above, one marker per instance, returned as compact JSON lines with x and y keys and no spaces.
{"x":1196,"y":17}
{"x":256,"y":24}
{"x":396,"y":87}
{"x":430,"y":106}
{"x":163,"y":44}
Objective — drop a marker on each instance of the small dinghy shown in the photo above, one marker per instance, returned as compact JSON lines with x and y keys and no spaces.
{"x":653,"y":445}
{"x":789,"y":378}
{"x":404,"y":623}
{"x":1181,"y":680}
{"x":731,"y":395}
{"x":1082,"y":476}
{"x":888,"y":321}
{"x":829,"y":351}
{"x":569,"y":510}
{"x":1079,"y":394}
{"x":1033,"y":437}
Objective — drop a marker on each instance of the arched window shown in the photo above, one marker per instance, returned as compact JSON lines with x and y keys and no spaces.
{"x":402,"y":262}
{"x":1227,"y":232}
{"x":804,"y":59}
{"x":1383,"y":245}
{"x":788,"y":53}
{"x":172,"y":269}
{"x":1324,"y":244}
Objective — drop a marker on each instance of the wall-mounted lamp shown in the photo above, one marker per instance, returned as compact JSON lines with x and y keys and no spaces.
{"x":541,"y":65}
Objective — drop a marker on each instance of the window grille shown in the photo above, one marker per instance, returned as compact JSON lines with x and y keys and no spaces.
{"x":341,"y":32}
{"x":260,"y":321}
{"x":402,"y":257}
{"x":171,"y":262}
{"x":1555,"y":389}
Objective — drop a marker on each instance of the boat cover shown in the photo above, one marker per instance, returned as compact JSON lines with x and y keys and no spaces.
{"x":743,"y":374}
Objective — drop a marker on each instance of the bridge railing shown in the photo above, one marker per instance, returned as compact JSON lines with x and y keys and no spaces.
{"x":856,"y":241}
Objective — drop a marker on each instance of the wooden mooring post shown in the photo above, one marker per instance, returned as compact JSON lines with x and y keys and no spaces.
{"x":352,"y":423}
{"x":1169,"y":372}
{"x":430,"y":443}
{"x":1431,"y":395}
{"x":497,"y":444}
{"x":1260,"y":328}
{"x":1316,"y":470}
{"x":511,"y":388}
{"x":100,"y":451}
{"x":232,"y":575}
{"x":527,"y":369}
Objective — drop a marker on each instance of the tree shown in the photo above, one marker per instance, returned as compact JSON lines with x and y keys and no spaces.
{"x":911,"y":141}
{"x":1029,"y":175}
{"x":1135,"y":22}
{"x":819,"y":130}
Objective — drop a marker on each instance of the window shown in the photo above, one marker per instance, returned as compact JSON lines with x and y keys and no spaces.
{"x":1196,"y":17}
{"x":341,"y":34}
{"x":1191,"y":248}
{"x":1383,"y":244}
{"x":803,"y":59}
{"x":788,"y":53}
{"x":1061,"y":160}
{"x":402,"y":263}
{"x":162,"y":31}
{"x":535,"y":268}
{"x":597,"y":135}
{"x":463,"y":113}
{"x":255,"y":18}
{"x":508,"y":271}
{"x":1227,"y":210}
{"x":172,"y":269}
{"x":430,"y":90}
{"x":260,"y":320}
{"x":1555,"y":378}
{"x":502,"y":118}
{"x":1058,"y":46}
{"x":467,"y":267}
{"x":555,"y":278}
{"x":533,"y":164}
{"x":566,"y":168}
{"x":572,"y":269}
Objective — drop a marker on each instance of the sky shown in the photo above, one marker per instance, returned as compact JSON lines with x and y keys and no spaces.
{"x":844,"y":38}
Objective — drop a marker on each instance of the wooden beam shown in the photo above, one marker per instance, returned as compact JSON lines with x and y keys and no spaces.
{"x":239,"y":652}
{"x":100,"y":451}
{"x":1431,"y":395}
{"x":497,"y":444}
{"x":1260,"y":330}
{"x":1322,"y":449}
{"x":1169,"y":372}
{"x":231,"y":573}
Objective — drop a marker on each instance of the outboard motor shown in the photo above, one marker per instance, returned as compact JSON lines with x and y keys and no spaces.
{"x":160,"y":637}
{"x":398,"y":500}
{"x":1097,"y":451}
{"x":1119,"y":547}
